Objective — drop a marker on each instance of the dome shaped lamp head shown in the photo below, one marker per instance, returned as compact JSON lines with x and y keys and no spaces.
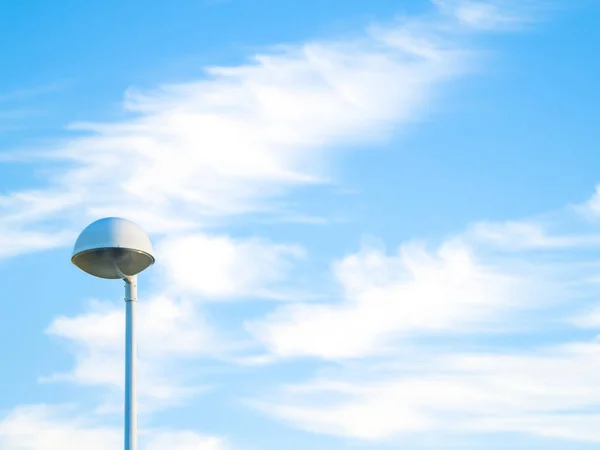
{"x":113,"y":248}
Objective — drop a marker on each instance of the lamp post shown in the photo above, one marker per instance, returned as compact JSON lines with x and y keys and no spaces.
{"x":115,"y":248}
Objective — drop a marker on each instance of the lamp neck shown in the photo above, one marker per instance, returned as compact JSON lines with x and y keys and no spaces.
{"x":130,"y":288}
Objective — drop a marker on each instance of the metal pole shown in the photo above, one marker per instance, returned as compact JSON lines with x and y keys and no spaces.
{"x":130,"y":364}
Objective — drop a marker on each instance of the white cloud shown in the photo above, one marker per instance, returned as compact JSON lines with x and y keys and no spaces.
{"x":30,"y":92}
{"x":184,"y":441}
{"x":20,"y":231}
{"x":488,"y":278}
{"x":15,"y":242}
{"x":48,"y":427}
{"x":549,"y":392}
{"x":168,"y":331}
{"x":459,"y":340}
{"x":222,"y":267}
{"x":524,"y":235}
{"x":590,"y":208}
{"x":386,"y":298}
{"x":243,"y":136}
{"x":588,"y":318}
{"x":493,"y":14}
{"x":43,"y":427}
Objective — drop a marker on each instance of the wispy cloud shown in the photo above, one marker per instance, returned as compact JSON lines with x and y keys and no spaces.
{"x":169,"y":331}
{"x":220,"y":267}
{"x":550,"y":392}
{"x":498,"y":15}
{"x":239,"y":139}
{"x":29,"y":93}
{"x":16,"y":113}
{"x":46,"y":427}
{"x":528,"y":235}
{"x":591,"y":208}
{"x":415,"y":335}
{"x":488,"y":279}
{"x":388,"y":297}
{"x":22,"y":224}
{"x":19,"y":105}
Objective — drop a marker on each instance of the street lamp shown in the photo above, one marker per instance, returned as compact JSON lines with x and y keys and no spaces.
{"x":114,"y":248}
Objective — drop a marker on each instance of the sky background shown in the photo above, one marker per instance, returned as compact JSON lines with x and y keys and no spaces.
{"x":377,"y":224}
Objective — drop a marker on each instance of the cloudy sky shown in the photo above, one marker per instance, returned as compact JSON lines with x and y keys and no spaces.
{"x":377,"y":224}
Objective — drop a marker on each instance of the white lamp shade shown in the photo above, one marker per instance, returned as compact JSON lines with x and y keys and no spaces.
{"x":113,"y":247}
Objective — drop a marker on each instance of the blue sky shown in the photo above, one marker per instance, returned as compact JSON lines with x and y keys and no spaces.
{"x":377,"y":224}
